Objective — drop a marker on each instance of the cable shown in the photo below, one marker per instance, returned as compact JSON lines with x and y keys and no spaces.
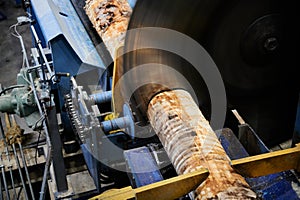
{"x":42,"y":118}
{"x":13,"y":26}
{"x":10,"y":88}
{"x":17,"y":35}
{"x":37,"y":146}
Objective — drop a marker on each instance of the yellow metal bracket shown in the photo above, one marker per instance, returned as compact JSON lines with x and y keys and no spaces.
{"x":173,"y":188}
{"x":268,"y":163}
{"x":167,"y":189}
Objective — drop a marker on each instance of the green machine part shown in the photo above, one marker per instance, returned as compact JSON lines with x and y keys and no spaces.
{"x":21,"y":100}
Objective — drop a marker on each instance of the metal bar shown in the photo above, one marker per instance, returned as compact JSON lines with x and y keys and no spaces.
{"x":268,"y":163}
{"x":41,"y":50}
{"x":20,"y":172}
{"x":26,"y":171}
{"x":9,"y":124}
{"x":12,"y":181}
{"x":172,"y":188}
{"x":58,"y":160}
{"x":24,"y":50}
{"x":14,"y":123}
{"x":4,"y":179}
{"x":168,"y":189}
{"x":46,"y":170}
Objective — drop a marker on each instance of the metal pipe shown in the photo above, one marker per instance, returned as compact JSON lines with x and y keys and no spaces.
{"x":4,"y":179}
{"x":26,"y":171}
{"x":23,"y":50}
{"x":20,"y":171}
{"x":12,"y":180}
{"x":14,"y":123}
{"x":45,"y":175}
{"x":41,"y":50}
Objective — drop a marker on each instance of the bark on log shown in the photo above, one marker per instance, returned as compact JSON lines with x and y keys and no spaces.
{"x":110,"y":19}
{"x":192,"y":144}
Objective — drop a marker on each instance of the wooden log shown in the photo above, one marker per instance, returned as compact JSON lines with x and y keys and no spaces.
{"x":110,"y":19}
{"x":191,"y":144}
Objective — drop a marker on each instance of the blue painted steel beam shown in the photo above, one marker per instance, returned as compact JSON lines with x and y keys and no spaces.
{"x":142,"y":166}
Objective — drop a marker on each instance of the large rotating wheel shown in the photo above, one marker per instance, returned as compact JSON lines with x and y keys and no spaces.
{"x":253,"y":43}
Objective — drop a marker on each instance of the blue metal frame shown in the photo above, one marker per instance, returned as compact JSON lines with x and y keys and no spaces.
{"x":277,"y":186}
{"x":60,"y":29}
{"x":143,"y":168}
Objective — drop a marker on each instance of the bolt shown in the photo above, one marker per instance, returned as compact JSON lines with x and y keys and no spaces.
{"x":271,"y":44}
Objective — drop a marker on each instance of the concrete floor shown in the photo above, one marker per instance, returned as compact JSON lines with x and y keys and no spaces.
{"x":10,"y":49}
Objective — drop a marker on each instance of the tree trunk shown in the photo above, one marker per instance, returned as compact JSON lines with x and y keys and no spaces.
{"x":191,"y":144}
{"x":110,"y":19}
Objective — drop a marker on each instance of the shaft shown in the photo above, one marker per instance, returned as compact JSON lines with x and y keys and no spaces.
{"x":4,"y":179}
{"x":191,"y":144}
{"x":20,"y":171}
{"x":26,"y":170}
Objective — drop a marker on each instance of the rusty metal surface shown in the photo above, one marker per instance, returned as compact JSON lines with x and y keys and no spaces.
{"x":192,"y":144}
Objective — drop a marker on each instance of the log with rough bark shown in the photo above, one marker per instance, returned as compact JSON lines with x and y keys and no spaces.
{"x":191,"y":144}
{"x":110,"y":19}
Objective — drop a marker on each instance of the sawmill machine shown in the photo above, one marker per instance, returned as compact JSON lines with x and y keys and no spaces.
{"x":154,"y":100}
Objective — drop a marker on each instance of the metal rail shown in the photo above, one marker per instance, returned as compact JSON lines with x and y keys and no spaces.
{"x":20,"y":171}
{"x":4,"y":179}
{"x":41,"y":50}
{"x":26,"y":171}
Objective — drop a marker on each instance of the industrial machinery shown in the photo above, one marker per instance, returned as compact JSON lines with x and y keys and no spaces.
{"x":113,"y":109}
